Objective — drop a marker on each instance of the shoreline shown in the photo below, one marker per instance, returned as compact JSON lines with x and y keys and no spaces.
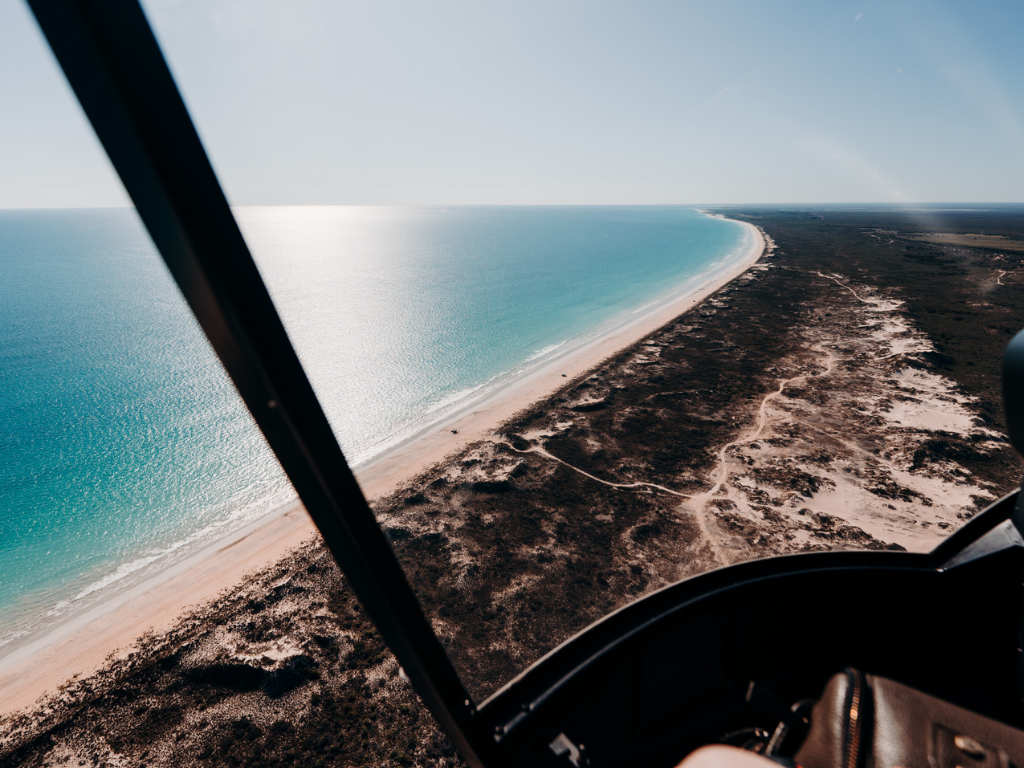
{"x":82,"y":645}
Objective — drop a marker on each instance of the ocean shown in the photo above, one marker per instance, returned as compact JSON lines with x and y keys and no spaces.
{"x":124,"y":447}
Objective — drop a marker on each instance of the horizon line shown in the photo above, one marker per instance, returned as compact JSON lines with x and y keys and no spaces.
{"x":852,"y":204}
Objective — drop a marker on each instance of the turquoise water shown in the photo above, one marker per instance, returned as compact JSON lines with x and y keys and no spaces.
{"x":123,"y":446}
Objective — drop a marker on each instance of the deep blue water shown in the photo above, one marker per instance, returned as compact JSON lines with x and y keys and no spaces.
{"x":124,"y":446}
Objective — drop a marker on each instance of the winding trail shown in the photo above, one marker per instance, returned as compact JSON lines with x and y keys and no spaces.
{"x":541,"y":452}
{"x":699,"y":502}
{"x":844,"y":285}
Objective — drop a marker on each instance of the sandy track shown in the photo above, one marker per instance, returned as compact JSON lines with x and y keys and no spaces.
{"x":810,"y":468}
{"x":541,"y":452}
{"x":699,"y":503}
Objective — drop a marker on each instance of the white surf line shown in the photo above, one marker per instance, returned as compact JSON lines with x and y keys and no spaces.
{"x":542,"y":452}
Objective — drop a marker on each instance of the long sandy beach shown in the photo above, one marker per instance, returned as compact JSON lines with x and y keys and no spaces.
{"x":80,"y":646}
{"x":801,"y":408}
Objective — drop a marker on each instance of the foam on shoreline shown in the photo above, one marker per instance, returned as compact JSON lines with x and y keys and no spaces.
{"x":81,"y":644}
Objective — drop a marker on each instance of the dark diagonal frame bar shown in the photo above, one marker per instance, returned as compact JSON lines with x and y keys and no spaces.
{"x":114,"y":65}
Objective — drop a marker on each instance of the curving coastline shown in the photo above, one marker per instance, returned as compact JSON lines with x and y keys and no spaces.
{"x":82,"y":644}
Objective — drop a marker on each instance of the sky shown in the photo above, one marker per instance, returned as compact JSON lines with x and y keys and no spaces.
{"x":302,"y":102}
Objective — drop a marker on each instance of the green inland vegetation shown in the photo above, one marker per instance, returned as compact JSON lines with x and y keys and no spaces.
{"x":988,"y":242}
{"x":842,"y":393}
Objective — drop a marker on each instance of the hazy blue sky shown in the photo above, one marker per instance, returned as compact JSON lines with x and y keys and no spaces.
{"x":556,"y":102}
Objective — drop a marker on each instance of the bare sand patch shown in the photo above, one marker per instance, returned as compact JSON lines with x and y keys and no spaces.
{"x":811,"y":469}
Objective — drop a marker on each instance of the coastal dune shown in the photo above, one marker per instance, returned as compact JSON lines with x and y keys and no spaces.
{"x":83,"y":644}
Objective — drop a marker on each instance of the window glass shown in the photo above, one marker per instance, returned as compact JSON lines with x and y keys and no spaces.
{"x":561,"y":388}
